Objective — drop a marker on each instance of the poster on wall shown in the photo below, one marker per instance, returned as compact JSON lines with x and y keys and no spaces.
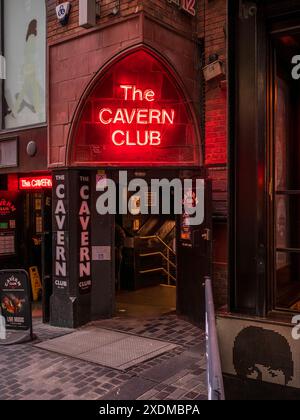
{"x":25,"y":53}
{"x":8,"y":216}
{"x":260,"y":351}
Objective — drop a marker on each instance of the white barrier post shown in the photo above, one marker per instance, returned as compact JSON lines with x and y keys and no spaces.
{"x":2,"y":327}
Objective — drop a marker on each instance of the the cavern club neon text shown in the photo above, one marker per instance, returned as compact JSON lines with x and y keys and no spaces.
{"x":137,"y":117}
{"x":35,"y":183}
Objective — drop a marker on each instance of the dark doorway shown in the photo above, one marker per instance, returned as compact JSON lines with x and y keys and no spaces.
{"x":37,"y":249}
{"x":161,"y":260}
{"x":145,"y":256}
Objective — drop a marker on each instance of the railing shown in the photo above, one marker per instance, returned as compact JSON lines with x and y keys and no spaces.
{"x":214,"y":370}
{"x":167,"y":258}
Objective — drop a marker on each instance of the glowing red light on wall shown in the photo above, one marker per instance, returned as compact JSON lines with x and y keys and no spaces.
{"x":35,"y":183}
{"x":136,"y":115}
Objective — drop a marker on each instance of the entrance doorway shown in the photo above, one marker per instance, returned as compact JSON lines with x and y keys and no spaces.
{"x":145,"y":254}
{"x":159,"y":258}
{"x":37,"y":248}
{"x":26,"y":233}
{"x":154,"y":250}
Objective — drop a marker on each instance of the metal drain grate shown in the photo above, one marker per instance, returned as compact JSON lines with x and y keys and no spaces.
{"x":107,"y":348}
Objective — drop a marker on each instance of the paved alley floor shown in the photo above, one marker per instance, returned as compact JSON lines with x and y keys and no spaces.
{"x":27,"y":372}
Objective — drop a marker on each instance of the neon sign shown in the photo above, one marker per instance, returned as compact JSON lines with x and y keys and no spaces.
{"x":189,"y":6}
{"x":35,"y":183}
{"x":136,"y":115}
{"x":6,"y":207}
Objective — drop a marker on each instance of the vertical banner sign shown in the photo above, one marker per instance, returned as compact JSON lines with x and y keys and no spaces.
{"x":84,"y":223}
{"x":60,"y":233}
{"x":15,"y":299}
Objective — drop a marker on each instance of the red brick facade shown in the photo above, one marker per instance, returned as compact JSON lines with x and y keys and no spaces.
{"x":214,"y":14}
{"x":76,"y":55}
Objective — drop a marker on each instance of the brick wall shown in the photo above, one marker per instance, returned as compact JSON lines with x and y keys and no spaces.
{"x":160,"y":9}
{"x":77,"y":54}
{"x":210,"y":23}
{"x":57,"y":32}
{"x":214,"y":32}
{"x":216,"y":96}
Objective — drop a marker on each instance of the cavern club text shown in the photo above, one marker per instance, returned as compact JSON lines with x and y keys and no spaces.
{"x":132,"y":125}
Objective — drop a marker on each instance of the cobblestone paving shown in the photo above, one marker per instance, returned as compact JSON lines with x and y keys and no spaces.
{"x":27,"y":372}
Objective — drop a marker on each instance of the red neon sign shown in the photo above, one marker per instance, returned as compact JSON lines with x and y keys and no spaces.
{"x":35,"y":183}
{"x":136,"y":116}
{"x":6,"y":207}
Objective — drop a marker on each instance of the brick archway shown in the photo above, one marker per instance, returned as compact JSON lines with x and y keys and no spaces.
{"x":146,"y":120}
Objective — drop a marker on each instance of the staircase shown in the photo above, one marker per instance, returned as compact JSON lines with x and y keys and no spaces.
{"x":155,"y":259}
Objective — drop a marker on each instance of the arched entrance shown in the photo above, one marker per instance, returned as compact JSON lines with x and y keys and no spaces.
{"x":135,"y":114}
{"x":134,"y":125}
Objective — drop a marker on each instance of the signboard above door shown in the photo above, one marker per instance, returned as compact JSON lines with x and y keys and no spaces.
{"x":137,"y":115}
{"x":35,"y":182}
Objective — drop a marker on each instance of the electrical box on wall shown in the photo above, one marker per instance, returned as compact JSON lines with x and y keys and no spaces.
{"x":213,"y":70}
{"x":87,"y":13}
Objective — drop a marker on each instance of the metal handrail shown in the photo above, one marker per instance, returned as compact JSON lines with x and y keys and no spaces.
{"x":166,"y":258}
{"x":214,"y":370}
{"x":155,"y":270}
{"x":151,"y":254}
{"x":161,"y":240}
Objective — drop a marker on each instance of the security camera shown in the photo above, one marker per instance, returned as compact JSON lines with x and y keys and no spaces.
{"x":252,"y":10}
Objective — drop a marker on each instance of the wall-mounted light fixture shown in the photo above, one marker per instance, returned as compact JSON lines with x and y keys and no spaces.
{"x":31,"y":148}
{"x":215,"y":68}
{"x":87,"y":13}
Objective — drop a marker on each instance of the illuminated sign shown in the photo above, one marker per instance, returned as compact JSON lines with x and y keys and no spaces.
{"x":136,"y":115}
{"x":6,"y":207}
{"x":139,"y":117}
{"x":188,"y":6}
{"x":35,"y":183}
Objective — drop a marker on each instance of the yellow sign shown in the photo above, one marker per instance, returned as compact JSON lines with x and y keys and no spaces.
{"x":36,"y":284}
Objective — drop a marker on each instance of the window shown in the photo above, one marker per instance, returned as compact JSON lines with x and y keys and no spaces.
{"x":286,"y":174}
{"x":24,"y":31}
{"x":8,"y":153}
{"x":3,"y":182}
